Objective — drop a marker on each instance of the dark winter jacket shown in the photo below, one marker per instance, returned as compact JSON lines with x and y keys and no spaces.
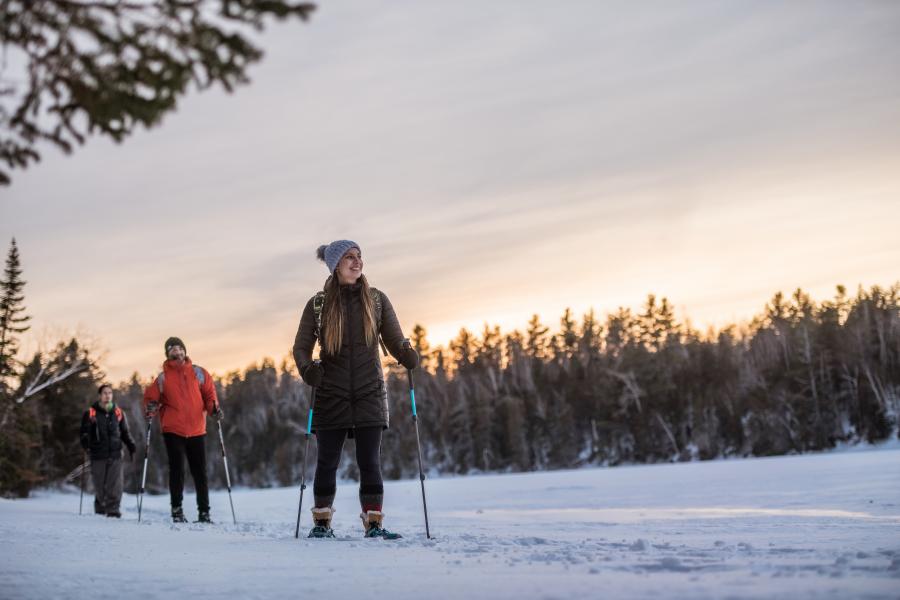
{"x":103,"y":433}
{"x":352,"y":392}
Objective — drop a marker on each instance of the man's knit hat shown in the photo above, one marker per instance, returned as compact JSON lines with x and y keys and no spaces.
{"x":332,"y":253}
{"x":174,"y":341}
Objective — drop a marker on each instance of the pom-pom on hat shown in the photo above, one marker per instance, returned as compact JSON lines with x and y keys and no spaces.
{"x":331,"y":253}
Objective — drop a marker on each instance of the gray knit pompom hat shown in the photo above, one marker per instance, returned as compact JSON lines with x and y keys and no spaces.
{"x":332,"y":253}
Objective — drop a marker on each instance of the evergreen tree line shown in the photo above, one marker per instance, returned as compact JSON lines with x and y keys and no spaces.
{"x":636,"y":387}
{"x":641,"y":387}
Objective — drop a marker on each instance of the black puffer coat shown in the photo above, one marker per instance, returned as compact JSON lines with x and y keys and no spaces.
{"x":105,"y":432}
{"x":352,"y":392}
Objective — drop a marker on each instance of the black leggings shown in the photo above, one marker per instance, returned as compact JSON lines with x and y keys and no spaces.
{"x":368,"y":459}
{"x":176,"y":447}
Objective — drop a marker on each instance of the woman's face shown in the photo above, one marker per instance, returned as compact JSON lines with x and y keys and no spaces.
{"x":350,"y":267}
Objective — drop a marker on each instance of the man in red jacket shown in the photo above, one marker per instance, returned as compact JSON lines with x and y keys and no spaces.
{"x":183,"y":394}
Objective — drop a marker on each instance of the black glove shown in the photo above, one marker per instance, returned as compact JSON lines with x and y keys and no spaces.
{"x":131,"y":450}
{"x":313,"y":373}
{"x":218,"y":413}
{"x":152,"y":409}
{"x":409,"y":358}
{"x":131,"y":455}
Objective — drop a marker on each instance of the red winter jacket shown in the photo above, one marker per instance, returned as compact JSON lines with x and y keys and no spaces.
{"x":184,"y":401}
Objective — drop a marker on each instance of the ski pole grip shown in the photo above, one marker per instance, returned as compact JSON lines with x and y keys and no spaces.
{"x":412,"y":391}
{"x":405,"y":344}
{"x":312,"y":403}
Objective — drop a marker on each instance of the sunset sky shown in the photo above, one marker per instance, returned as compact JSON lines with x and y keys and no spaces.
{"x":493,"y":160}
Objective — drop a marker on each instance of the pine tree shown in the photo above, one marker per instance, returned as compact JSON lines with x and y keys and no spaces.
{"x":590,"y":340}
{"x":536,"y":338}
{"x":420,"y":343}
{"x":657,"y":323}
{"x":464,"y":348}
{"x":19,"y":427}
{"x":490,"y":354}
{"x":12,"y":318}
{"x":620,"y":331}
{"x":568,"y":335}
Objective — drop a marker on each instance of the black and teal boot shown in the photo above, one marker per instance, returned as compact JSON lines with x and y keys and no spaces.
{"x":372,"y":521}
{"x":322,"y":519}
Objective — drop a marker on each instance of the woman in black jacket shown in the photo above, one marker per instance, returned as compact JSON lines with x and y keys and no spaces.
{"x":348,"y":318}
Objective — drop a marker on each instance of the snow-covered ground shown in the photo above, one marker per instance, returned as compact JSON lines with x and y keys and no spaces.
{"x":813,"y":526}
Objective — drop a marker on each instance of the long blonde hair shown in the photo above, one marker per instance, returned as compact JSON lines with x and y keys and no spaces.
{"x":332,"y":330}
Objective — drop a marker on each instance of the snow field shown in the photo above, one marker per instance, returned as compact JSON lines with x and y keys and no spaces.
{"x":812,"y":526}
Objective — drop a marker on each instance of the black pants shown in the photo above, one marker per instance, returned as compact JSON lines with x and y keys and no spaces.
{"x":368,"y":459}
{"x":176,"y":447}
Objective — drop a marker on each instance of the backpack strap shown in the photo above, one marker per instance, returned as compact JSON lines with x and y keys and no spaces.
{"x":319,"y":305}
{"x":376,"y":298}
{"x":201,"y":376}
{"x":92,"y":415}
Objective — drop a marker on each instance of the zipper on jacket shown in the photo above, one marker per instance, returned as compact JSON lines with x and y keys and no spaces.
{"x":351,"y":345}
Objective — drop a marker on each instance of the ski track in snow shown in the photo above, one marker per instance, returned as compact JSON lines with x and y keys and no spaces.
{"x":812,"y":526}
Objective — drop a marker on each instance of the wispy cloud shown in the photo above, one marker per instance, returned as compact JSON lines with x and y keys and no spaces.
{"x":494,"y":159}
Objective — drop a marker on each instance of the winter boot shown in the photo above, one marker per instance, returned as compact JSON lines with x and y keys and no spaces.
{"x":204,"y":517}
{"x":372,"y":521}
{"x":178,"y":515}
{"x":322,"y":519}
{"x":115,"y":514}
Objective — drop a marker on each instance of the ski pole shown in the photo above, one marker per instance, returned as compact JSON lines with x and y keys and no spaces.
{"x":412,"y":398}
{"x":225,"y":460}
{"x":312,"y":402}
{"x":81,"y":497}
{"x":144,"y":474}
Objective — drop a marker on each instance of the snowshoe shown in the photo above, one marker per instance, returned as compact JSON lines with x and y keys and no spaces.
{"x":372,"y":521}
{"x":377,"y":531}
{"x":203,"y":517}
{"x":322,"y":519}
{"x":321,"y":531}
{"x":178,"y":515}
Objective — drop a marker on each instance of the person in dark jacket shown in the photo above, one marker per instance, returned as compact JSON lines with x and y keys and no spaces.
{"x":104,"y":429}
{"x":347,"y":319}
